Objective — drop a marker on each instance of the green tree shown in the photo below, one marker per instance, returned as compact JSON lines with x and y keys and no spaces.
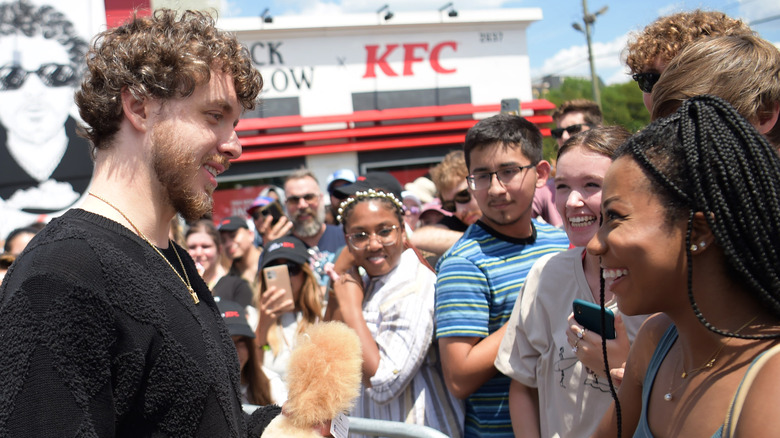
{"x":621,"y":104}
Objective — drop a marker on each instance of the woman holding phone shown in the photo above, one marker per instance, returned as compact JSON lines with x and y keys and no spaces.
{"x":536,"y":351}
{"x":285,"y":308}
{"x":691,"y":231}
{"x":391,"y":309}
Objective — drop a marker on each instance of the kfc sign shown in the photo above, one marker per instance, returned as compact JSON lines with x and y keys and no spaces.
{"x":413,"y":53}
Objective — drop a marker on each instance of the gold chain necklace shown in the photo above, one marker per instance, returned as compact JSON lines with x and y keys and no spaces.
{"x":669,"y":396}
{"x":154,"y":247}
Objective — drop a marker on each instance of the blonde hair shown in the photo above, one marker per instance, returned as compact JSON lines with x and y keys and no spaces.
{"x":309,"y":303}
{"x":450,"y":172}
{"x":744,"y":70}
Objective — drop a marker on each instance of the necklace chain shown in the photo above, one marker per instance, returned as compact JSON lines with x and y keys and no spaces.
{"x":157,"y":250}
{"x":669,"y":396}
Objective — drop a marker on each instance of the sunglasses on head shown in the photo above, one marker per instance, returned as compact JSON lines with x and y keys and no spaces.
{"x":646,"y":81}
{"x":462,"y":197}
{"x":12,"y":77}
{"x":573,"y":129}
{"x":293,"y":268}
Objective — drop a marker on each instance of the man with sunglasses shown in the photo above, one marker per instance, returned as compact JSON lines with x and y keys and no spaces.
{"x":480,"y":277}
{"x":651,"y":50}
{"x":306,"y":210}
{"x":45,"y":167}
{"x":239,"y":247}
{"x":449,"y":177}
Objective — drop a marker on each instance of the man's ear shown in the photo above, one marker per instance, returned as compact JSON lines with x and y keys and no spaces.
{"x":136,"y":110}
{"x":768,"y":118}
{"x":701,"y":233}
{"x":543,"y":170}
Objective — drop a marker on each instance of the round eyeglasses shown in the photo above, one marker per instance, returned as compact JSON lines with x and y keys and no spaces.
{"x":386,"y":236}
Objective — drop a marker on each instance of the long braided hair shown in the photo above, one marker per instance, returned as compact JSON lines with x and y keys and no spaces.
{"x":707,"y":158}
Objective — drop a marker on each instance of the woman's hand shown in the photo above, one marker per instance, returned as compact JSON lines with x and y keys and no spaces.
{"x":347,"y":291}
{"x":587,"y":346}
{"x":274,"y":302}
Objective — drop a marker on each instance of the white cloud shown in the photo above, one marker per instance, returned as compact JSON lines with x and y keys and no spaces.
{"x":573,"y":61}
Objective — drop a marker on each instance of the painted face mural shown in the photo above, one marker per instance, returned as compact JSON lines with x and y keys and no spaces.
{"x":45,"y":167}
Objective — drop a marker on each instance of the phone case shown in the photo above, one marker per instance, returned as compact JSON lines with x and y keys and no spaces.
{"x":588,"y":315}
{"x":278,"y":276}
{"x":275,"y":210}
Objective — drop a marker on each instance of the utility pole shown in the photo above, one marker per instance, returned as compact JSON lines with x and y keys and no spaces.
{"x":589,"y":20}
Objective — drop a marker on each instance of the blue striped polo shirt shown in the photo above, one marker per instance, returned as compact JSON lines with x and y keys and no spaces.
{"x":476,"y":288}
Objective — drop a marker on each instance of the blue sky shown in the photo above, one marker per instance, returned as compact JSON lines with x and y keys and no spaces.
{"x":554,"y":46}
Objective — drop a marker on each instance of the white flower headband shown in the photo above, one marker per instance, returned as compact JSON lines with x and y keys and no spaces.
{"x":370,"y":193}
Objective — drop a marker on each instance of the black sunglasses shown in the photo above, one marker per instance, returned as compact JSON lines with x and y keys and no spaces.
{"x":12,"y":77}
{"x":462,"y":197}
{"x":646,"y":81}
{"x":293,"y":268}
{"x":573,"y":129}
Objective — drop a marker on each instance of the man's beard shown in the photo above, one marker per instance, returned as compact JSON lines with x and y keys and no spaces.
{"x":311,"y":226}
{"x":176,"y":168}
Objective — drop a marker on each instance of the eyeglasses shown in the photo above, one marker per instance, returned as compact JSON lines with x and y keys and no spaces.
{"x":646,"y":81}
{"x":293,"y":268}
{"x":482,"y":180}
{"x":12,"y":77}
{"x":573,"y":129}
{"x":309,"y":197}
{"x":462,"y":197}
{"x":412,"y":210}
{"x":386,"y":236}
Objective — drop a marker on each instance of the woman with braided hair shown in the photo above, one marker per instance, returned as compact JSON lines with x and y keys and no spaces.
{"x":691,"y":229}
{"x":391,"y":309}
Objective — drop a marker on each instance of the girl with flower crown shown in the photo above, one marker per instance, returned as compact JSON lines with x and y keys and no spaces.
{"x":391,"y":309}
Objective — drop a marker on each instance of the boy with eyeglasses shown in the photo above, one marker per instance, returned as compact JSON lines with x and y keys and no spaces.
{"x":480,"y":276}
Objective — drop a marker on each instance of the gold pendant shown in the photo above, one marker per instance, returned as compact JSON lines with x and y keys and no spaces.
{"x":194,"y":295}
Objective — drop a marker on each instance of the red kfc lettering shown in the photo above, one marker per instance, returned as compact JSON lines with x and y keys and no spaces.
{"x":436,"y":52}
{"x":413,"y":53}
{"x":372,"y":61}
{"x":409,"y":57}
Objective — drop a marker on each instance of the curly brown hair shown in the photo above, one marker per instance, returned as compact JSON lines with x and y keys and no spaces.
{"x":164,"y":56}
{"x":664,"y":38}
{"x":450,"y":172}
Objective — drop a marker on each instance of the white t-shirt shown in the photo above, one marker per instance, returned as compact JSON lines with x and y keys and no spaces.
{"x":536,"y":353}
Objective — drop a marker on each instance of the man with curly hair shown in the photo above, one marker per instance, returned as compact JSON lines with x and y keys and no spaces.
{"x":107,"y":328}
{"x":45,"y":166}
{"x":650,"y":51}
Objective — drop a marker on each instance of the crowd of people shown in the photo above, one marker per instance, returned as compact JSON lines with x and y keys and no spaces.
{"x":137,"y":314}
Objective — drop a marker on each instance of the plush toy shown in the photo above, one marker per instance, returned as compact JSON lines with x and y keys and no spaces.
{"x":323,"y":379}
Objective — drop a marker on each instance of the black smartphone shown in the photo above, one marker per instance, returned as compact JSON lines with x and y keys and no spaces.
{"x":588,"y":315}
{"x":275,"y":210}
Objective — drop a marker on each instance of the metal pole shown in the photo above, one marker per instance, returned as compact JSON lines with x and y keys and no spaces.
{"x":589,"y":19}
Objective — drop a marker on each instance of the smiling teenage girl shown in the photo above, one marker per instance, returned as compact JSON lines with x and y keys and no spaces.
{"x":558,"y":386}
{"x":391,"y":309}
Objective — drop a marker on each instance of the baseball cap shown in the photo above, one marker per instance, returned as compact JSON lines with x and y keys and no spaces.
{"x":434,"y":205}
{"x":373,"y":180}
{"x":260,"y":201}
{"x":232,"y":223}
{"x":287,"y":247}
{"x":423,"y":188}
{"x":234,"y":316}
{"x":341,"y":175}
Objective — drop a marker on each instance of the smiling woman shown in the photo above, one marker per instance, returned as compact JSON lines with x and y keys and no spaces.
{"x":391,"y":309}
{"x":691,"y":230}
